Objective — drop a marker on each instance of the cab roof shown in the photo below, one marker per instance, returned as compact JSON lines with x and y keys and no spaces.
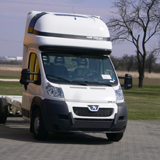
{"x":63,"y":29}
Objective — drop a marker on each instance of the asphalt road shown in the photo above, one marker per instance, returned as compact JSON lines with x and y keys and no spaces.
{"x":141,"y":141}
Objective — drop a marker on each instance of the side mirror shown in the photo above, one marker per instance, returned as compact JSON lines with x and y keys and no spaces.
{"x":127,"y":81}
{"x":25,"y":77}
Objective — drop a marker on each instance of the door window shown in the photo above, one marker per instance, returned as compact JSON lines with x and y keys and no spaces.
{"x":33,"y":66}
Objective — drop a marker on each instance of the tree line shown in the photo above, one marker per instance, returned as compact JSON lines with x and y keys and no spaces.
{"x":130,"y":63}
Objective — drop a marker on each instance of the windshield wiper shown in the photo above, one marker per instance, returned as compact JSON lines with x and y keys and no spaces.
{"x":106,"y":84}
{"x":99,"y":83}
{"x":79,"y":82}
{"x":58,"y":78}
{"x":92,"y":82}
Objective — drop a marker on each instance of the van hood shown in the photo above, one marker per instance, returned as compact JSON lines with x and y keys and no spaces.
{"x":89,"y":94}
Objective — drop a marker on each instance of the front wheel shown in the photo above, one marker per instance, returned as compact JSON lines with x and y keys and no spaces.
{"x":39,"y":131}
{"x":115,"y":137}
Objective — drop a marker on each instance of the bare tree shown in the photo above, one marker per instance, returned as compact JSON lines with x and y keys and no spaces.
{"x":128,"y":61}
{"x":116,"y":62}
{"x":136,"y":21}
{"x":150,"y":62}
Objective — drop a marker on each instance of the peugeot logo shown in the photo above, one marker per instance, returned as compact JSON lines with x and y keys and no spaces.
{"x":93,"y":108}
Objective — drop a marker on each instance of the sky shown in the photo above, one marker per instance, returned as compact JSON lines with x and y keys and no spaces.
{"x":13,"y":14}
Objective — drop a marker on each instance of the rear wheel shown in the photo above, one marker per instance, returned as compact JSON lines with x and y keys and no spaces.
{"x":115,"y":137}
{"x":3,"y":110}
{"x":39,"y":131}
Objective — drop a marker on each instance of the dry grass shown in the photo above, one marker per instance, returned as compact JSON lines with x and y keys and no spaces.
{"x":136,"y":75}
{"x":10,"y":70}
{"x":13,"y":74}
{"x":152,"y":79}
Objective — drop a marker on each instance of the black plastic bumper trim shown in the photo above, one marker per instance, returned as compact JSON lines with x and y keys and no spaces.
{"x":59,"y":119}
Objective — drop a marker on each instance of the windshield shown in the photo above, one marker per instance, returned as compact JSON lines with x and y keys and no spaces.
{"x":78,"y":69}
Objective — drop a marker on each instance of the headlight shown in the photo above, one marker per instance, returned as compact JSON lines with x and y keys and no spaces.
{"x":119,"y":94}
{"x":54,"y":91}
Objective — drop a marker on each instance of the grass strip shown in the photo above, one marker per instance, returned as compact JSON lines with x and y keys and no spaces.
{"x":143,"y":104}
{"x":9,"y":77}
{"x":11,"y":88}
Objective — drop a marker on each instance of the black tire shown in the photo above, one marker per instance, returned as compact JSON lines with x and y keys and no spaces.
{"x":38,"y":129}
{"x":115,"y":137}
{"x":3,"y":110}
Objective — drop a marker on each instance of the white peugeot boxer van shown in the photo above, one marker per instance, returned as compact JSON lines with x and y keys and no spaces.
{"x":69,"y":80}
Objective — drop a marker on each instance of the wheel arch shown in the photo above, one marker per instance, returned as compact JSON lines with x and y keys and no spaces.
{"x":37,"y":102}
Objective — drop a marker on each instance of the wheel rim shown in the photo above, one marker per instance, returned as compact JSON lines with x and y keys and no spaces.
{"x":36,"y":124}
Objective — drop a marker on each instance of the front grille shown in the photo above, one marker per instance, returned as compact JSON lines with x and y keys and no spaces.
{"x":102,"y":112}
{"x":93,"y":120}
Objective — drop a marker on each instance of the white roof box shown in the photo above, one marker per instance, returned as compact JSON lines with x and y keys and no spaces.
{"x":68,"y":30}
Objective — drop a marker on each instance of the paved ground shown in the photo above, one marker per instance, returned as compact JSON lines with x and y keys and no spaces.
{"x":140,"y":142}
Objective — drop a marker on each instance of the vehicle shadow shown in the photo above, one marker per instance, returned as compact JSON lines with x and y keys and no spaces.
{"x":78,"y":138}
{"x":19,"y":131}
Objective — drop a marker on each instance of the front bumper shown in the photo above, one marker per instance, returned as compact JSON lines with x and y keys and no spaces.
{"x":57,"y":118}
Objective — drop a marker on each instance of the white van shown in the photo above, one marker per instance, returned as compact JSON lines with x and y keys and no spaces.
{"x":69,"y":80}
